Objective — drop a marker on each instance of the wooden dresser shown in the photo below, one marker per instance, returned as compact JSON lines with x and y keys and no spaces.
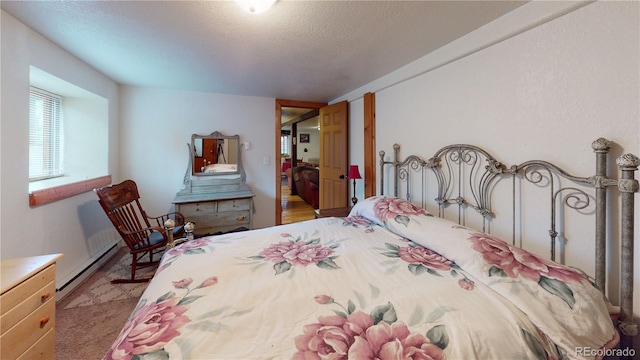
{"x":27,"y":307}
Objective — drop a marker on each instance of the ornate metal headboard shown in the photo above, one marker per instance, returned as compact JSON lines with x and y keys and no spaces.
{"x":466,"y":177}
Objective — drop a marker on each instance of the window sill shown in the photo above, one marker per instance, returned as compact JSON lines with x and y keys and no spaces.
{"x":49,"y":195}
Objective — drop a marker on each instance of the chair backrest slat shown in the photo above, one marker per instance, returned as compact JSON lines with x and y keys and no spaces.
{"x":121,"y":204}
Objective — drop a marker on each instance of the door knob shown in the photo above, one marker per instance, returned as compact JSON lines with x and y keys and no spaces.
{"x":342,"y":176}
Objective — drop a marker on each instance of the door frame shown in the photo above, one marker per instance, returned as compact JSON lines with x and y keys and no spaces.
{"x":370,"y":156}
{"x":280,"y":103}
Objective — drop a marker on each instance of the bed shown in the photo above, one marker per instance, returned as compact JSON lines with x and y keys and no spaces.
{"x":220,"y":168}
{"x":394,"y":279}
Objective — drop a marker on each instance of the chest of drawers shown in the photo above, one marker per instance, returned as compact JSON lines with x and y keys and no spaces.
{"x":212,"y":216}
{"x":216,"y":202}
{"x":27,"y":307}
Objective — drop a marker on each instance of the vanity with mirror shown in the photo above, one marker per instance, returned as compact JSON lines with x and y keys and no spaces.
{"x":215,"y":196}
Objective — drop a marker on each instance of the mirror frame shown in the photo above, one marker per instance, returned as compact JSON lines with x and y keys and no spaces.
{"x":215,"y":135}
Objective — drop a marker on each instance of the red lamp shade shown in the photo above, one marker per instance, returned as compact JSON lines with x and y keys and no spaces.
{"x":354,"y":173}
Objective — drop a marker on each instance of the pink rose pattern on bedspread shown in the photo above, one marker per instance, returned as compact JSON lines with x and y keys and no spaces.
{"x":298,"y":252}
{"x":508,"y":260}
{"x":192,"y":247}
{"x":149,"y":329}
{"x":397,"y":209}
{"x":515,"y":261}
{"x":359,"y":221}
{"x":351,"y":334}
{"x":152,"y":326}
{"x":422,"y":260}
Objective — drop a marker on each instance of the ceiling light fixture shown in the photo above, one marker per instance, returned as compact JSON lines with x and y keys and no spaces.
{"x":255,"y":6}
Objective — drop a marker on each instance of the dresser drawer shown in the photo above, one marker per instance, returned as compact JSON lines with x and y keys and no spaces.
{"x":28,"y":331}
{"x":218,"y":215}
{"x":213,"y":207}
{"x":42,"y":349}
{"x":14,"y":296}
{"x":234,"y":205}
{"x":12,"y":316}
{"x":238,"y":218}
{"x":197,"y":209}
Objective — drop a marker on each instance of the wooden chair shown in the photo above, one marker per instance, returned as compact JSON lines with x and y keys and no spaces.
{"x":121,"y":203}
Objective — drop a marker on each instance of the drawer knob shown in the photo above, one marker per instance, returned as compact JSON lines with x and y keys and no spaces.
{"x":46,"y":295}
{"x":44,"y":321}
{"x":240,"y":218}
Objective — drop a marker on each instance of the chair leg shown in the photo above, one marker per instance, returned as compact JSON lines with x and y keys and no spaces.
{"x":134,"y":265}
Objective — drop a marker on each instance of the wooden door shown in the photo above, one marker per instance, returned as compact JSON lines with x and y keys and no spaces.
{"x":334,"y":155}
{"x":209,"y":155}
{"x":210,"y":151}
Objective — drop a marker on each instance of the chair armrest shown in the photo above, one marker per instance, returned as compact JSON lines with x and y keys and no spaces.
{"x":162,"y":218}
{"x":178,"y":230}
{"x":145,"y":230}
{"x":141,"y":240}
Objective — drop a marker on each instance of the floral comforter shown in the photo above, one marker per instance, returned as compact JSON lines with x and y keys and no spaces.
{"x":387,"y":282}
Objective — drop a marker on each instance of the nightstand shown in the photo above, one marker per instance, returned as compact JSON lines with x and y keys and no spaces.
{"x":28,"y":304}
{"x":337,"y":212}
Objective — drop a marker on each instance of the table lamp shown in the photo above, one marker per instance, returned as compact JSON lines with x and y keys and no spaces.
{"x":354,"y":174}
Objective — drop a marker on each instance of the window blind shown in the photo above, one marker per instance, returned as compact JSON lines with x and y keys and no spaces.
{"x":45,"y":135}
{"x":284,"y":144}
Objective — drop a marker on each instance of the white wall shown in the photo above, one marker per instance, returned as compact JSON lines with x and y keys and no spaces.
{"x":157,"y":125}
{"x":313,"y":146}
{"x":75,"y":226}
{"x":541,"y":82}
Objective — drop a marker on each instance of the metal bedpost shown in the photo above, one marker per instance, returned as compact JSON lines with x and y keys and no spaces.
{"x":628,"y":186}
{"x":396,"y":161}
{"x":381,"y":153}
{"x":601,"y":147}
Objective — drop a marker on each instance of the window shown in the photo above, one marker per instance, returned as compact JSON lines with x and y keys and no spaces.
{"x":45,"y":135}
{"x":68,"y":134}
{"x":284,"y":144}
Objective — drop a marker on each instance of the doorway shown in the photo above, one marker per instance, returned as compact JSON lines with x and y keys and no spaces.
{"x":296,"y":117}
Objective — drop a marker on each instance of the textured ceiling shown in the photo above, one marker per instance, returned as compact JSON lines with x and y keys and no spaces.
{"x":299,"y":50}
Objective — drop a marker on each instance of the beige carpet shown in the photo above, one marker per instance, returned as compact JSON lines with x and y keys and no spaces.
{"x":98,"y":288}
{"x":87,"y":333}
{"x":89,"y":319}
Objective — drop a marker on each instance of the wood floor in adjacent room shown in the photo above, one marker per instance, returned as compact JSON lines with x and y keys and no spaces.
{"x":294,"y":209}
